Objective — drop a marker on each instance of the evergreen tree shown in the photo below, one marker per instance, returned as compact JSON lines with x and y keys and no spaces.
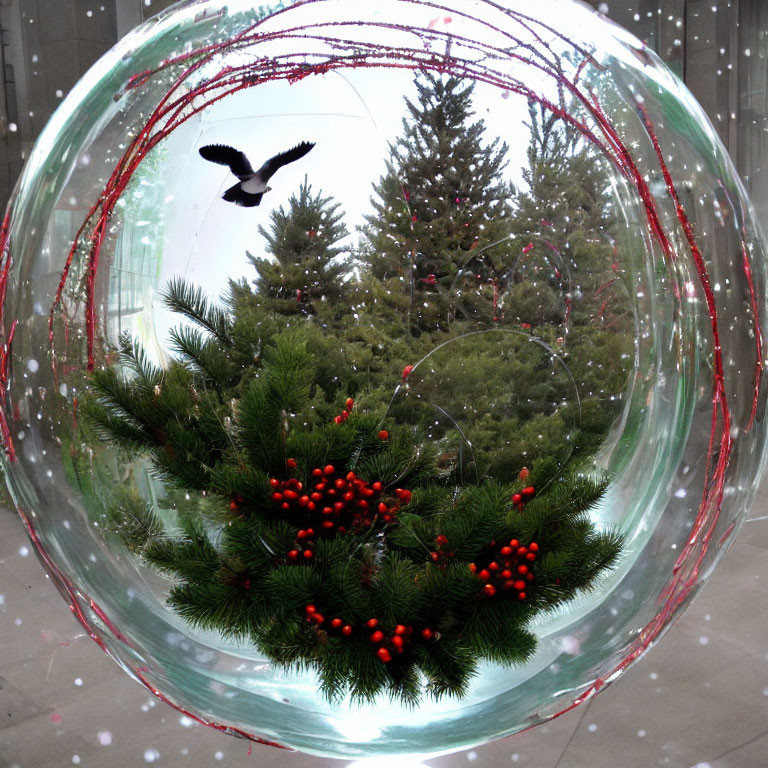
{"x":304,"y":269}
{"x":439,"y":211}
{"x":340,"y":545}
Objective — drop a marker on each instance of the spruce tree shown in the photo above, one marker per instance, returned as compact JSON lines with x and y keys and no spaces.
{"x":439,"y":209}
{"x":304,"y":269}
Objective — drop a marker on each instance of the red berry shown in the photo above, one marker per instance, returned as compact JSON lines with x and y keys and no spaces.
{"x":310,"y":608}
{"x":441,"y":540}
{"x":506,"y":551}
{"x":400,"y":629}
{"x":290,"y":495}
{"x":397,"y":641}
{"x":318,"y":618}
{"x":506,"y":574}
{"x":317,"y":472}
{"x":307,"y":554}
{"x":407,"y":371}
{"x":293,"y":555}
{"x":489,"y":590}
{"x":329,"y":469}
{"x":383,"y":435}
{"x":337,"y":419}
{"x":346,"y":630}
{"x":524,"y":473}
{"x":521,"y":596}
{"x":277,"y":496}
{"x":349,"y":404}
{"x":530,"y":556}
{"x":233,"y":505}
{"x":472,"y":568}
{"x":529,"y":491}
{"x":328,"y":524}
{"x":427,"y":633}
{"x":384,"y":655}
{"x":274,"y":482}
{"x":484,"y":574}
{"x":493,"y":566}
{"x":372,"y":623}
{"x":377,"y":636}
{"x":404,"y":495}
{"x":290,"y":463}
{"x":514,"y":543}
{"x":522,"y":569}
{"x":435,"y":556}
{"x":533,"y":547}
{"x":517,"y":498}
{"x":522,"y":552}
{"x":377,"y":486}
{"x":519,"y":586}
{"x":336,"y":623}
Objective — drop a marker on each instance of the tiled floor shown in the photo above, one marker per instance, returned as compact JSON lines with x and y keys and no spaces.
{"x":698,"y":699}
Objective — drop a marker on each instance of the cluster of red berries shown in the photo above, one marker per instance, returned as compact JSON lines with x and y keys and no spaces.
{"x":441,"y":555}
{"x":334,"y":503}
{"x":508,"y":568}
{"x":305,"y":546}
{"x":386,"y":645}
{"x":344,"y":415}
{"x":520,"y":499}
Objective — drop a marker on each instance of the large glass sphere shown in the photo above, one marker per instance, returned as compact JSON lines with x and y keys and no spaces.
{"x":506,"y":230}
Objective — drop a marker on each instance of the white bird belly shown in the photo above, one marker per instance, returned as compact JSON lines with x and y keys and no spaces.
{"x":253,"y":186}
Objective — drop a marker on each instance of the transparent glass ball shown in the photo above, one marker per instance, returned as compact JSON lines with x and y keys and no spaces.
{"x":605,"y":306}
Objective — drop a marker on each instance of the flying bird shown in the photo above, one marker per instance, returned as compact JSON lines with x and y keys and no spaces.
{"x":253,"y":184}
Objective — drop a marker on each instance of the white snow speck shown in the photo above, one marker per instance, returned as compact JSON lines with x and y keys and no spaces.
{"x":104,"y":737}
{"x":570,"y":645}
{"x":33,"y":366}
{"x":150,"y":755}
{"x":592,"y":727}
{"x":75,"y":759}
{"x":472,"y":756}
{"x":703,"y":640}
{"x":23,"y":551}
{"x":78,"y":681}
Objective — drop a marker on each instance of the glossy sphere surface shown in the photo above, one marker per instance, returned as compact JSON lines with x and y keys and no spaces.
{"x":605,"y":305}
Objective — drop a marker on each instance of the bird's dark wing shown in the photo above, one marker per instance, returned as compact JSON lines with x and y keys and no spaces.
{"x":223,"y":155}
{"x":278,"y":161}
{"x":236,"y":195}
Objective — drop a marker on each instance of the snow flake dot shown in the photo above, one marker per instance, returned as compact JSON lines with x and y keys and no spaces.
{"x":104,"y":737}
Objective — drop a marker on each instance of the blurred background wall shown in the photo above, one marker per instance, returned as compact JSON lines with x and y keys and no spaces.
{"x":719,"y":47}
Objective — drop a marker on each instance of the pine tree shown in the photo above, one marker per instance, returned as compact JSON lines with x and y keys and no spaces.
{"x":305,"y":268}
{"x":437,"y":234}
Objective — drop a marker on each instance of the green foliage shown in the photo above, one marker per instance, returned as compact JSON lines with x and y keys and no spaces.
{"x":518,"y":332}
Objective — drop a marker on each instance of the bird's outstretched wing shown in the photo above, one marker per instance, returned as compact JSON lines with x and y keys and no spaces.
{"x":237,"y":161}
{"x":278,"y":161}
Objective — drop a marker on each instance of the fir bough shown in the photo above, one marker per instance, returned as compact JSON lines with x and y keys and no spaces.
{"x":333,"y":543}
